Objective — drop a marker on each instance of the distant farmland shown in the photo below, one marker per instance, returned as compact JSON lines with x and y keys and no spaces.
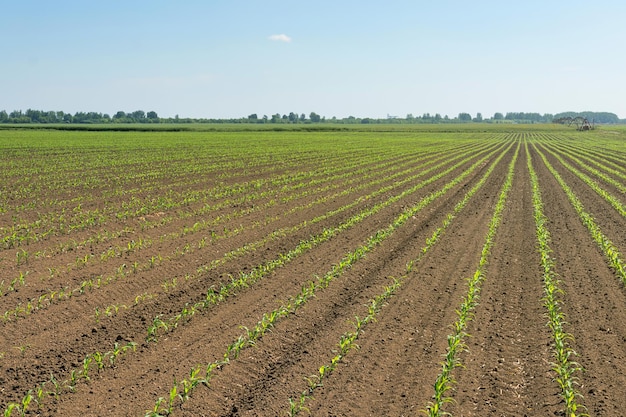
{"x":476,"y":271}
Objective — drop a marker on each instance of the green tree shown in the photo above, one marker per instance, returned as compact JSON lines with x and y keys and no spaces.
{"x":465,"y":117}
{"x":315,"y":118}
{"x":138,"y":116}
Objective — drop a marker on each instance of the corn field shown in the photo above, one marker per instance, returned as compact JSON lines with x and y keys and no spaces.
{"x":432,"y":272}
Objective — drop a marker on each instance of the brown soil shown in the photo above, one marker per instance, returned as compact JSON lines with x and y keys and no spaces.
{"x":506,"y":368}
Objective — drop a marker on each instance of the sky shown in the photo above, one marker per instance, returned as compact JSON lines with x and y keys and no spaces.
{"x":362,"y":58}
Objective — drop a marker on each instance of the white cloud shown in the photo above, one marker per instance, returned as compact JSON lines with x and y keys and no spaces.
{"x":280,"y":38}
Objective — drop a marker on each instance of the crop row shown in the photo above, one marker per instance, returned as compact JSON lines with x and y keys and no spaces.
{"x":164,"y":405}
{"x":348,"y":340}
{"x":204,"y":224}
{"x":183,"y":312}
{"x":64,"y":221}
{"x":445,"y":380}
{"x":564,"y":367}
{"x":607,"y":247}
{"x":617,"y":205}
{"x":123,"y":270}
{"x":603,"y":170}
{"x":245,"y":279}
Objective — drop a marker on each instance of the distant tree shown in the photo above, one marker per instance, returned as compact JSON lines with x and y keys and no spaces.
{"x":79,"y":117}
{"x":498,"y":116}
{"x":478,"y":118}
{"x":51,"y":117}
{"x":4,"y":116}
{"x":153,"y":116}
{"x":33,"y":115}
{"x":138,"y":115}
{"x":275,"y":118}
{"x":119,"y":115}
{"x":253,"y":117}
{"x":525,"y":117}
{"x":302,"y":118}
{"x":465,"y":117}
{"x":597,"y":117}
{"x":293,"y":117}
{"x":315,"y":118}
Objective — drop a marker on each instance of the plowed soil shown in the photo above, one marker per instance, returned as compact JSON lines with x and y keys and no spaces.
{"x":190,"y":251}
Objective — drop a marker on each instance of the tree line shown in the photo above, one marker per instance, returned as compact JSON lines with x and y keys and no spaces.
{"x":39,"y":116}
{"x":139,"y":116}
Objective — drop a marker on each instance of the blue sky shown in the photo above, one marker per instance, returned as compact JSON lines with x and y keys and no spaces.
{"x":222,"y":59}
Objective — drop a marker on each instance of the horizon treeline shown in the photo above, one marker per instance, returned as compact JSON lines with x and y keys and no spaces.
{"x":139,"y":116}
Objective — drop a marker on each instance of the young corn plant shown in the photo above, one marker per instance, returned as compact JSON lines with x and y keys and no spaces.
{"x":347,"y":342}
{"x":617,"y":205}
{"x":445,"y":380}
{"x":246,"y":279}
{"x":308,"y":291}
{"x":610,"y":251}
{"x":564,"y":367}
{"x":21,"y":257}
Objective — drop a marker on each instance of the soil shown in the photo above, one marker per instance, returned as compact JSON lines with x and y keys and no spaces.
{"x":507,"y":366}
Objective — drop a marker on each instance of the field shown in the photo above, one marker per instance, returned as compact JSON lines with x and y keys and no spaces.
{"x":384,"y":272}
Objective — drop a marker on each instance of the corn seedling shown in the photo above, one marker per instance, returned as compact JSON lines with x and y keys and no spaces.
{"x":564,"y":367}
{"x":21,"y":257}
{"x":445,"y":380}
{"x":610,"y":251}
